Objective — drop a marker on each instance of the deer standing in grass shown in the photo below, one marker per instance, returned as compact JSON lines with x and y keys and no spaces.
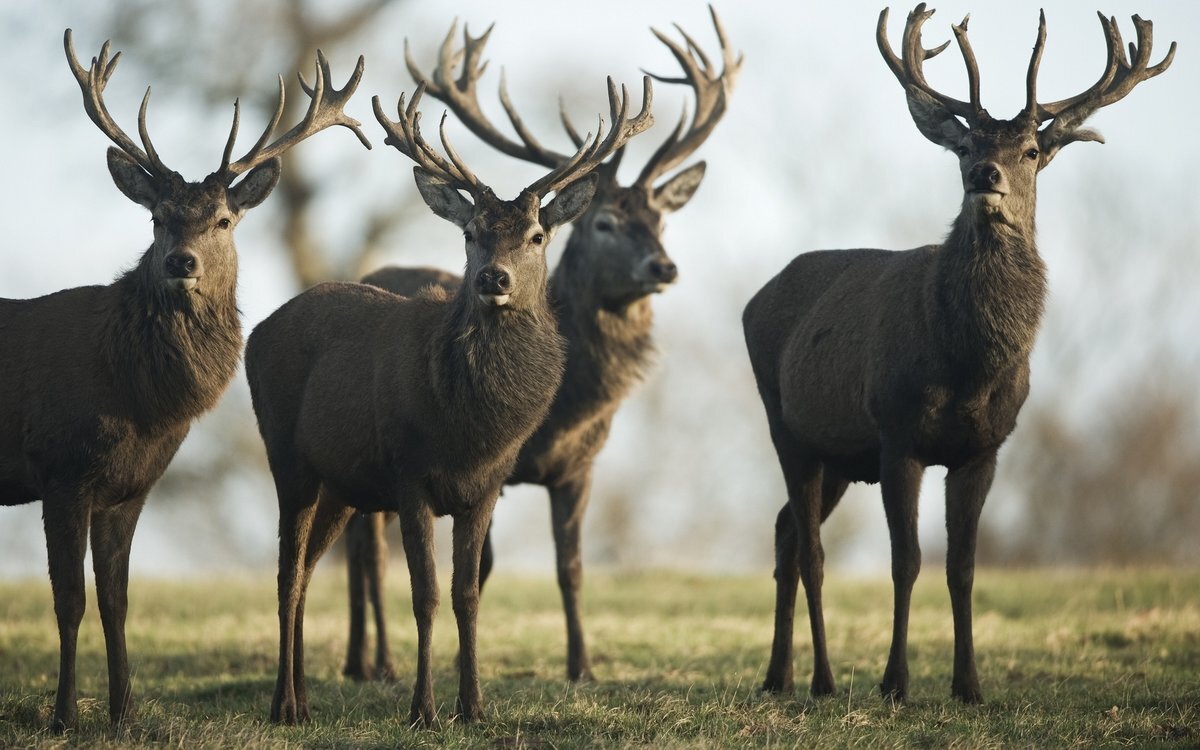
{"x":370,"y":401}
{"x":600,"y":292}
{"x":100,"y":384}
{"x":873,"y":365}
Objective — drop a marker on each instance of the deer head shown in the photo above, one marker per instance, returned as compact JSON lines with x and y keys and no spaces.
{"x":1000,"y":159}
{"x":193,"y":254}
{"x":506,"y":239}
{"x":621,"y":231}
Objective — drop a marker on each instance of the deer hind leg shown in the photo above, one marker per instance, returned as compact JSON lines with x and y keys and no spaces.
{"x":66,"y":516}
{"x":112,"y":535}
{"x":966,"y":489}
{"x":328,"y":520}
{"x":779,"y":677}
{"x":357,"y":541}
{"x":799,"y":556}
{"x":470,"y":530}
{"x":376,"y":571}
{"x":366,"y":567}
{"x":416,"y":527}
{"x":567,"y":504}
{"x":806,"y":502}
{"x":297,"y":506}
{"x":900,"y":477}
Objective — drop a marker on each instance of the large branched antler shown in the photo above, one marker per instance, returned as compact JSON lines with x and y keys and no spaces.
{"x":909,"y":70}
{"x":590,"y":156}
{"x":1120,"y":76}
{"x":711,"y":90}
{"x":405,"y":136}
{"x":460,"y":94}
{"x":92,"y":81}
{"x":324,"y":110}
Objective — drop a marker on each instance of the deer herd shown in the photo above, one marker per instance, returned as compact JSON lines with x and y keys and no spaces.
{"x":417,"y":393}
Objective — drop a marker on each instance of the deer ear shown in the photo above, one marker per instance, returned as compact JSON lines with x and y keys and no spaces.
{"x":256,"y":185}
{"x":131,"y":179}
{"x":443,"y":198}
{"x":570,"y":202}
{"x":674,"y":194}
{"x":934,"y":121}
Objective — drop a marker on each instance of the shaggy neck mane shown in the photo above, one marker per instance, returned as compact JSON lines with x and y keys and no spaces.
{"x":991,"y":292}
{"x":504,"y":362}
{"x":171,"y":358}
{"x":609,"y":348}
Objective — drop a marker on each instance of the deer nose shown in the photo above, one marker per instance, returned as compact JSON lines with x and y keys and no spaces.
{"x":985,"y":175}
{"x":180,"y":265}
{"x":493,"y":280}
{"x":664,"y":270}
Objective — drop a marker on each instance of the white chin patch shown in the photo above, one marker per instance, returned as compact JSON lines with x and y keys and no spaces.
{"x":653,"y":287}
{"x":499,"y":300}
{"x":183,"y":285}
{"x":988,"y":199}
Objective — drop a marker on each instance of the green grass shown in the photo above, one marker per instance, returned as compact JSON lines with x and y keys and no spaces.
{"x":1081,"y":659}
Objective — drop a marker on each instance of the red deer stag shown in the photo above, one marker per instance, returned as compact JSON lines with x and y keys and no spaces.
{"x":100,"y":384}
{"x":873,"y":365}
{"x":371,"y":401}
{"x":600,"y":291}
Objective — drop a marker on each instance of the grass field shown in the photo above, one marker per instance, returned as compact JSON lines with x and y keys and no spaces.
{"x":1081,"y":659}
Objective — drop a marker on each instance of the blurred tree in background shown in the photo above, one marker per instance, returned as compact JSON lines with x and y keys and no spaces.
{"x":1105,"y":465}
{"x":233,"y":34}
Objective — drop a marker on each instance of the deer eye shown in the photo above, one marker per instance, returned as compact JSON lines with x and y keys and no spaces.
{"x":604,"y":226}
{"x":1032,"y":153}
{"x":224,"y":223}
{"x":155,"y":222}
{"x":538,"y":238}
{"x":468,"y":236}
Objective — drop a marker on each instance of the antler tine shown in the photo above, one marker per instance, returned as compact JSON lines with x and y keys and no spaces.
{"x":233,"y":131}
{"x":144,"y":132}
{"x":325,"y":110}
{"x":459,"y":93}
{"x":914,"y":54}
{"x":694,"y":49}
{"x":572,"y":133}
{"x":405,"y":136}
{"x":1035,"y":62}
{"x":964,"y":45}
{"x":711,"y":92}
{"x":1120,"y":74}
{"x":92,"y":81}
{"x":731,"y":66}
{"x":534,"y":151}
{"x":458,"y":163}
{"x":593,"y":153}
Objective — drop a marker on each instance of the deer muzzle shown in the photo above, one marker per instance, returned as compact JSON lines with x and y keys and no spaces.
{"x":183,"y":271}
{"x":657,"y":272}
{"x":986,"y":183}
{"x":494,"y":285}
